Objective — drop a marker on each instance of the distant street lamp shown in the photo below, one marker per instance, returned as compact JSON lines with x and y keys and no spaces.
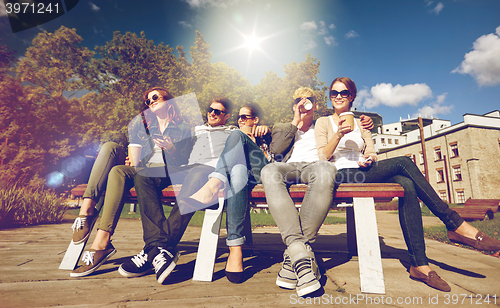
{"x":420,"y":123}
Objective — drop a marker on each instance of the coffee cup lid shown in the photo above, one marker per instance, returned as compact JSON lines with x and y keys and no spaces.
{"x":346,"y":113}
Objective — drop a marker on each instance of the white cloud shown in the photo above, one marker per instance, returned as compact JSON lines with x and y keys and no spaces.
{"x":322,"y":28}
{"x":331,"y":26}
{"x":308,"y":26}
{"x":435,"y":108}
{"x":207,"y":3}
{"x":394,"y":96}
{"x":310,"y":45}
{"x":351,"y":34}
{"x":483,"y":62}
{"x":185,"y":24}
{"x":439,"y":7}
{"x":330,"y":40}
{"x":428,"y":3}
{"x":94,"y":7}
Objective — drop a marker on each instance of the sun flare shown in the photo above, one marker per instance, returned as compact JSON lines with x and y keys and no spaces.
{"x":252,"y":42}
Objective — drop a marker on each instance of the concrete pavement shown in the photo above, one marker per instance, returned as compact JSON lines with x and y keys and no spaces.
{"x":29,"y":275}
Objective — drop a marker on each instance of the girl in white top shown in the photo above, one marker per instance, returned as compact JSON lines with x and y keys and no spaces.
{"x":352,"y":152}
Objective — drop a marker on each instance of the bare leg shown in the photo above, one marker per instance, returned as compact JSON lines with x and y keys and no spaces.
{"x":467,"y":230}
{"x":209,"y":192}
{"x":87,"y":207}
{"x":101,"y":240}
{"x":235,"y":259}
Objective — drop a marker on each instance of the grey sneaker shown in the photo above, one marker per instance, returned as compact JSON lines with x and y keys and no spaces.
{"x":93,"y":259}
{"x":305,"y":268}
{"x":286,"y":276}
{"x":82,"y":227}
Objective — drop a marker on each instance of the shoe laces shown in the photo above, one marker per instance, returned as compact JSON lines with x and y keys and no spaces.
{"x":88,"y":257}
{"x":79,"y":223}
{"x":140,"y":259}
{"x":303,"y":266}
{"x":159,"y":261}
{"x":287,"y":262}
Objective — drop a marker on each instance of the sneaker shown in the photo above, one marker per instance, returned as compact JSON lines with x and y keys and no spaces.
{"x":305,"y":268}
{"x":163,"y":261}
{"x":286,"y":276}
{"x":136,"y":266}
{"x":93,"y":259}
{"x":82,"y":227}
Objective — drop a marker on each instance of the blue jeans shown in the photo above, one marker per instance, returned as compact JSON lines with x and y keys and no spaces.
{"x":304,"y":226}
{"x":403,"y":171}
{"x":239,"y":166}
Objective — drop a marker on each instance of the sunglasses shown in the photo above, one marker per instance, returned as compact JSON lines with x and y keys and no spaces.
{"x":152,"y":100}
{"x":245,"y":117}
{"x":298,"y":99}
{"x":343,"y":93}
{"x":216,"y":111}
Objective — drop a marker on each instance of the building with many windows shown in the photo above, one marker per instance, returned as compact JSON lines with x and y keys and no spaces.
{"x":463,"y":159}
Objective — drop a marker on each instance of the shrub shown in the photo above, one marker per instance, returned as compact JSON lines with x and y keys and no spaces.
{"x":29,"y":206}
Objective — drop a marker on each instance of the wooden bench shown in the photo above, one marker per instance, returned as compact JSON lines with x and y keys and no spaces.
{"x":362,"y":231}
{"x":478,"y":209}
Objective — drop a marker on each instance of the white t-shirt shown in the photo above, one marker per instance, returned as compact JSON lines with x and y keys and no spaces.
{"x":304,"y":148}
{"x":348,"y":151}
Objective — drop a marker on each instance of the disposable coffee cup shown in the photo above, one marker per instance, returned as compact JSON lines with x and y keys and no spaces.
{"x":349,"y":119}
{"x":246,"y":129}
{"x":308,"y":105}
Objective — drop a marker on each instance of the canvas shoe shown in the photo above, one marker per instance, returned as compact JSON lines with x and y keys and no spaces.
{"x":82,"y":226}
{"x":163,"y":261}
{"x":286,"y":276}
{"x":93,"y":259}
{"x":136,"y":266}
{"x":305,"y":268}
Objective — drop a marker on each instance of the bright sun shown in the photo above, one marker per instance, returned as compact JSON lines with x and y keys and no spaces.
{"x":251,"y":42}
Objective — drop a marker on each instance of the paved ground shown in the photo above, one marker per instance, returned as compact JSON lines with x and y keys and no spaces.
{"x":29,"y":275}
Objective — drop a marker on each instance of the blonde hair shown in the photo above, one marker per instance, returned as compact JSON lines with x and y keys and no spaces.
{"x":303,"y":92}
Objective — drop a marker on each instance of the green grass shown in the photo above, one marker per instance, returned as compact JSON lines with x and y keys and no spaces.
{"x":258,"y":219}
{"x":489,"y":227}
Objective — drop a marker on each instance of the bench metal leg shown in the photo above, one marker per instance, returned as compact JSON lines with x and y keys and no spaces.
{"x":207,"y":248}
{"x":351,"y":231}
{"x":72,"y":255}
{"x":369,"y":257}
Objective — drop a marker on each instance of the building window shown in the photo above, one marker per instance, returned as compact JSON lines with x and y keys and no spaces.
{"x":395,"y":128}
{"x":440,"y":175}
{"x":386,"y":129}
{"x":375,"y":141}
{"x":396,"y":141}
{"x":389,"y":140}
{"x":460,"y":196}
{"x":457,"y":173}
{"x":437,"y":154}
{"x":382,"y":140}
{"x":421,"y":158}
{"x":443,"y":196}
{"x":454,"y":149}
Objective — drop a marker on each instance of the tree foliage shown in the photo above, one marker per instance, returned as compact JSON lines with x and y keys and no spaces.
{"x":62,"y":97}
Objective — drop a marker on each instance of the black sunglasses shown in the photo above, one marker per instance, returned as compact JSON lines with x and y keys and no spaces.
{"x":152,"y":100}
{"x":298,"y":99}
{"x":245,"y":117}
{"x":216,"y":111}
{"x":343,"y":93}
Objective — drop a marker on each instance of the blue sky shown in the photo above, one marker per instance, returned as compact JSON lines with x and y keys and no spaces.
{"x":439,"y":58}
